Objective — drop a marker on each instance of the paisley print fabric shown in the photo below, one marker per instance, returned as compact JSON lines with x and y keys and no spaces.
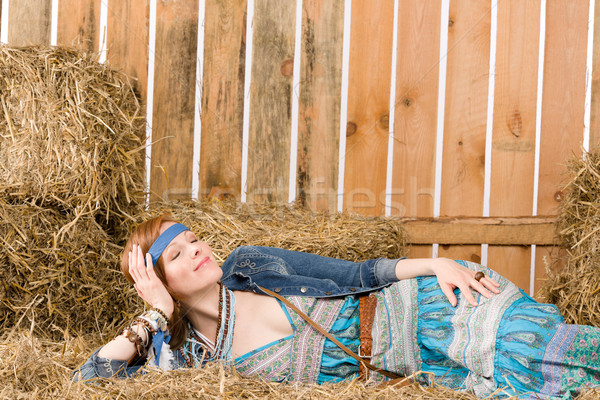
{"x":508,"y":345}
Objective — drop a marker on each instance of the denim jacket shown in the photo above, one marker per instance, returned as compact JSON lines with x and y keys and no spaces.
{"x":293,"y":273}
{"x":289,"y":273}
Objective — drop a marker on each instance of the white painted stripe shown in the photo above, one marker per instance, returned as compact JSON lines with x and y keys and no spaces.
{"x":344,"y":103}
{"x":532,"y":271}
{"x":150,"y":93}
{"x":538,"y":130}
{"x":102,"y":30}
{"x":198,"y":101}
{"x":295,"y":103}
{"x":54,"y":23}
{"x":4,"y":27}
{"x":390,"y":155}
{"x":538,"y":110}
{"x":489,"y":131}
{"x":247,"y":80}
{"x":445,"y":14}
{"x":588,"y":79}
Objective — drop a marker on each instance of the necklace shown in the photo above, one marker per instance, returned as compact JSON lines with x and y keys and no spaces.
{"x":223,"y":335}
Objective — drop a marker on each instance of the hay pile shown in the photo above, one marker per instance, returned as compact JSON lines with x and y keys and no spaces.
{"x":34,"y":368}
{"x":575,"y":289}
{"x":71,"y":177}
{"x":227,"y":225}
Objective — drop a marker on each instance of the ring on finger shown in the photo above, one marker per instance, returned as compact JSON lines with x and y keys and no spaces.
{"x":479,"y":275}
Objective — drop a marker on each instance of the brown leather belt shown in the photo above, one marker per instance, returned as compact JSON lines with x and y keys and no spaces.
{"x":366,"y":306}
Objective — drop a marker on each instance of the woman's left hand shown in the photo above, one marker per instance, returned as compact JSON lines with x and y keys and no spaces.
{"x":450,"y":275}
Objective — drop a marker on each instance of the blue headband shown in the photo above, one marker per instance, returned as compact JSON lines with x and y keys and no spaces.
{"x":161,"y":243}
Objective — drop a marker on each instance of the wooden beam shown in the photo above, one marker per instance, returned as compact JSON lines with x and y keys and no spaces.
{"x":477,"y":230}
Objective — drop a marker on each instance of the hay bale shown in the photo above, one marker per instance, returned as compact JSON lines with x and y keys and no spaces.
{"x":70,"y":134}
{"x":575,"y":289}
{"x":56,"y":283}
{"x":71,"y":178}
{"x":227,"y":225}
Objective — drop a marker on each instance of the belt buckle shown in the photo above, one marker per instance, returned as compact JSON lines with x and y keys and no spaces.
{"x":361,"y":355}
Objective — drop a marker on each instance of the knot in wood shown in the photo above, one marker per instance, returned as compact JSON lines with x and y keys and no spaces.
{"x":384,"y":122}
{"x":351,"y":128}
{"x":559,"y":196}
{"x":515,"y":123}
{"x":287,"y":68}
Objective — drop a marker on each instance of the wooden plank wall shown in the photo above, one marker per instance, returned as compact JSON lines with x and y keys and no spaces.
{"x":435,"y":108}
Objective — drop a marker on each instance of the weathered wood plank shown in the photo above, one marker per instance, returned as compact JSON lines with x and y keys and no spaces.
{"x":465,"y":115}
{"x":271,"y":101}
{"x":319,"y":104}
{"x":416,"y":107}
{"x":127,"y":38}
{"x":513,"y":140}
{"x":369,"y":77}
{"x":174,"y":92}
{"x":562,"y":102}
{"x":476,"y":230}
{"x":223,"y":97}
{"x":563,"y":96}
{"x":595,"y":106}
{"x":78,"y":24}
{"x":29,"y":22}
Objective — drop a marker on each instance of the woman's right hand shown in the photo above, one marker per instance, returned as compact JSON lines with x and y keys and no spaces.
{"x":147,"y":284}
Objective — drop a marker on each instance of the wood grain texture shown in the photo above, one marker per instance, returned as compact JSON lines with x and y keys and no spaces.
{"x":369,"y":76}
{"x":419,"y":251}
{"x":416,"y":108}
{"x":562,"y":101}
{"x":29,"y":22}
{"x":563,"y":97}
{"x":513,"y":140}
{"x":475,"y":230}
{"x":79,"y":22}
{"x":465,"y":116}
{"x":271,"y":101}
{"x":595,"y":106}
{"x":319,"y":104}
{"x":174,"y":92}
{"x":127,"y":38}
{"x":223,"y":97}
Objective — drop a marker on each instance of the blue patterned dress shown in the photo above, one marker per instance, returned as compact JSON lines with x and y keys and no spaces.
{"x":508,"y":342}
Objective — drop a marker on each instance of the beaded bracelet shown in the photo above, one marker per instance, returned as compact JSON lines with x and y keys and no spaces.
{"x":134,"y":338}
{"x":157,"y":319}
{"x":162,"y":313}
{"x":146,"y":325}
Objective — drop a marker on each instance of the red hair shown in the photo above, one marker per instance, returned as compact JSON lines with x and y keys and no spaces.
{"x":144,"y":235}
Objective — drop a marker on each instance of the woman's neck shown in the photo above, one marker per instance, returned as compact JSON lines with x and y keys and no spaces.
{"x":203,"y":311}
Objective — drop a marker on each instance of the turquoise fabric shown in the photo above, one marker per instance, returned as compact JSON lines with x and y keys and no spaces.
{"x":336,"y":365}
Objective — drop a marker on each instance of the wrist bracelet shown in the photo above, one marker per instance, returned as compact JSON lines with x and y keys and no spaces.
{"x":156,"y":319}
{"x":162,"y":313}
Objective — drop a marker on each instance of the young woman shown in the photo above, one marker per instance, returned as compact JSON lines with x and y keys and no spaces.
{"x":470,"y":327}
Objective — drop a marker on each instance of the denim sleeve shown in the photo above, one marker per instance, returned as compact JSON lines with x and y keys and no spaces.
{"x":99,"y":367}
{"x":273,"y":267}
{"x":385,"y":270}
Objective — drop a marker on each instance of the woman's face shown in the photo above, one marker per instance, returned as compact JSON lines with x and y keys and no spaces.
{"x":189,"y":264}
